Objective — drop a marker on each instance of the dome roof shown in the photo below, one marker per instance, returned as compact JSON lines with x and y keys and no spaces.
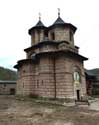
{"x":39,"y":25}
{"x":59,"y":21}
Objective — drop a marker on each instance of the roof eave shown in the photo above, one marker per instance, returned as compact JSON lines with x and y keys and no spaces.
{"x":63,"y":25}
{"x":35,"y":28}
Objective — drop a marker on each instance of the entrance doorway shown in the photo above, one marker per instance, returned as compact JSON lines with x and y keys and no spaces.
{"x":78,"y":94}
{"x":12,"y":91}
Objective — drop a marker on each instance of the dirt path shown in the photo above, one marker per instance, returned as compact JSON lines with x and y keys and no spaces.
{"x":14,"y":112}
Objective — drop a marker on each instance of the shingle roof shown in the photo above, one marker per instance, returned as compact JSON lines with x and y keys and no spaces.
{"x":39,"y":25}
{"x":7,"y":82}
{"x":90,"y":73}
{"x":59,"y":21}
{"x":65,"y":52}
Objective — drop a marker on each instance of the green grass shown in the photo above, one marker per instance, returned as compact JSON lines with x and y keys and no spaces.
{"x":94,"y":71}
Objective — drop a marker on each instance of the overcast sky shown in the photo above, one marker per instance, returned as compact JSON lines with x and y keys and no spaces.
{"x":17,"y":16}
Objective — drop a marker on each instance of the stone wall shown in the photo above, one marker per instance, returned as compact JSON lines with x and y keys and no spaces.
{"x":25,"y":83}
{"x":6,"y":89}
{"x":51,"y":77}
{"x":57,"y":34}
{"x":64,"y":77}
{"x":46,"y":79}
{"x":37,"y":36}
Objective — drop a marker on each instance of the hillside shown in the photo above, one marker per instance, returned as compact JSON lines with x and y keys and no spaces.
{"x":94,"y":71}
{"x":7,"y":74}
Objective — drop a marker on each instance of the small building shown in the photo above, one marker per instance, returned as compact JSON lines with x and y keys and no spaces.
{"x":90,"y":78}
{"x":7,"y":87}
{"x":95,"y":90}
{"x":92,"y":83}
{"x":53,"y":67}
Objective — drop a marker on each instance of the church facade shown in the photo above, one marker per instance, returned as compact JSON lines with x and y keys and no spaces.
{"x":53,"y":67}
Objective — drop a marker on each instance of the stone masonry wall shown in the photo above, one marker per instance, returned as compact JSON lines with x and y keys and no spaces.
{"x":61,"y":34}
{"x":70,"y":64}
{"x":51,"y":77}
{"x":25,"y":83}
{"x":46,"y":79}
{"x":64,"y":77}
{"x":37,"y":36}
{"x":5,"y":89}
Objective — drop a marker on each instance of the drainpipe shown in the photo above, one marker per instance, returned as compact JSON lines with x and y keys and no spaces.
{"x":54,"y":73}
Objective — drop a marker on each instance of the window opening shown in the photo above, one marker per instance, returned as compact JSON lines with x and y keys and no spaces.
{"x":52,"y":36}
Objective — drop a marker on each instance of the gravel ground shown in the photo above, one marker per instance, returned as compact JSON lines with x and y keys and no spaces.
{"x":29,"y":112}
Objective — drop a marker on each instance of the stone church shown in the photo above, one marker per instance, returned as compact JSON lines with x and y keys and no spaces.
{"x":53,"y":67}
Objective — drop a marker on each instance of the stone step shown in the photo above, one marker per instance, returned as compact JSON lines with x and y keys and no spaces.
{"x":82,"y":102}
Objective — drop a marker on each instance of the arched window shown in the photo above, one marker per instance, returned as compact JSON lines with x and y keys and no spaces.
{"x":76,"y":75}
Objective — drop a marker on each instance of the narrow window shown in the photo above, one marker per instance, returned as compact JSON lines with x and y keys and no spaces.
{"x":52,"y":36}
{"x":39,"y":33}
{"x":42,"y":82}
{"x":71,"y":36}
{"x":45,"y":34}
{"x":23,"y":84}
{"x":37,"y":83}
{"x":33,"y":38}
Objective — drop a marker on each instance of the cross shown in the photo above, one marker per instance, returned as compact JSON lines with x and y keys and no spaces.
{"x":58,"y":12}
{"x":39,"y":16}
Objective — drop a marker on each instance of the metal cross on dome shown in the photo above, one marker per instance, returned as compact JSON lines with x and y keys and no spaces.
{"x":39,"y":16}
{"x":58,"y":12}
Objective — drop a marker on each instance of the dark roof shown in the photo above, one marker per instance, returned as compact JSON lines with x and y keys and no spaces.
{"x":46,"y":42}
{"x":65,"y":52}
{"x":20,"y":62}
{"x":7,"y":82}
{"x":59,"y":21}
{"x":93,"y":72}
{"x":51,"y":53}
{"x":39,"y":25}
{"x":91,"y":75}
{"x":88,"y":72}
